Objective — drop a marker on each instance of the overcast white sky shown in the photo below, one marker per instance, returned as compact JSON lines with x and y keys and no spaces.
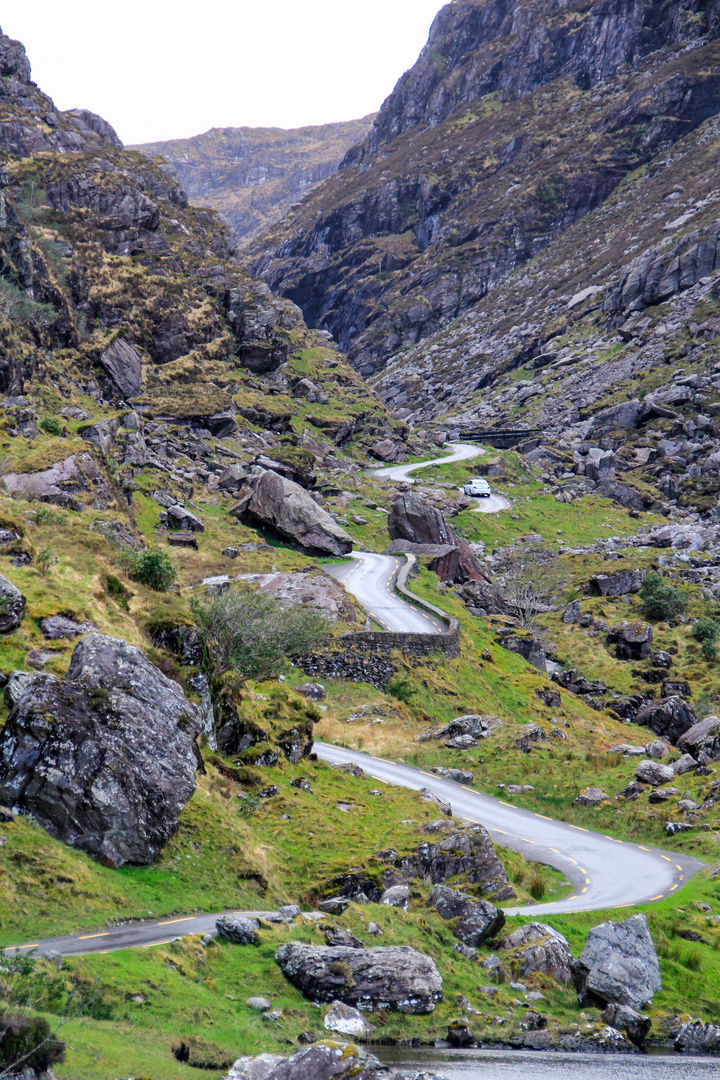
{"x":162,"y":69}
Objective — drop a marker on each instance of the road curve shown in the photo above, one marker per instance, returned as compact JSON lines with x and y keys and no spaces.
{"x":460,"y":452}
{"x":371,"y":578}
{"x":493,"y":504}
{"x":605,"y":873}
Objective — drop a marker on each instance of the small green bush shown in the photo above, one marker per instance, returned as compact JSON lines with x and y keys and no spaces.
{"x":51,"y":425}
{"x":45,"y":560}
{"x":28,"y":1041}
{"x":152,"y":568}
{"x":402,"y":689}
{"x":248,"y":804}
{"x":707,"y":632}
{"x":45,"y":516}
{"x":661,"y":600}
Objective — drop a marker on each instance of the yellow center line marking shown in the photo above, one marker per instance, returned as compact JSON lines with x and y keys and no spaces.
{"x":643,"y":848}
{"x":614,"y":838}
{"x":169,"y":922}
{"x":682,"y":877}
{"x":584,"y":890}
{"x":526,"y":841}
{"x":152,"y":944}
{"x":665,"y":858}
{"x":571,"y":898}
{"x":583,"y":870}
{"x":426,"y":773}
{"x":505,"y":803}
{"x":543,"y":817}
{"x":653,"y":899}
{"x":34,"y":945}
{"x":674,"y":887}
{"x":677,"y":866}
{"x":579,"y":828}
{"x":501,"y":831}
{"x":555,"y":850}
{"x":86,"y":937}
{"x":573,"y":861}
{"x":587,"y":880}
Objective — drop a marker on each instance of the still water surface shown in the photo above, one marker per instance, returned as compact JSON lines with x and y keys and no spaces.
{"x":533,"y":1065}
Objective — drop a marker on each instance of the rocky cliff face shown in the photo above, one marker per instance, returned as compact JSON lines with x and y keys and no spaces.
{"x":113,"y":287}
{"x":254,"y":175}
{"x":518,"y":122}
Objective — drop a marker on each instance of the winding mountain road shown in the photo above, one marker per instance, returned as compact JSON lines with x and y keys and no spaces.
{"x":605,"y":873}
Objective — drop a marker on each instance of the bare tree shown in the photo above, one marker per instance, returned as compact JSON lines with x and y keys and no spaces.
{"x":531,"y":581}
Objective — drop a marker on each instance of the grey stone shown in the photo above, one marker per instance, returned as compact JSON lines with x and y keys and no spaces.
{"x":618,"y":584}
{"x":180,"y":518}
{"x":12,"y":606}
{"x":657,"y":750}
{"x":702,"y":738}
{"x":314,"y":691}
{"x":536,"y":947}
{"x":255,"y":1068}
{"x":396,"y":896}
{"x":339,"y":938}
{"x":346,"y":1020}
{"x":684,"y":765}
{"x":698,"y":1037}
{"x":260,"y":1004}
{"x":632,"y":1023}
{"x":633,"y":641}
{"x":432,"y":797}
{"x":288,"y":912}
{"x":652,"y":772}
{"x":618,"y":965}
{"x":477,"y":920}
{"x":396,"y":977}
{"x":104,"y":759}
{"x":336,"y":905}
{"x":573,"y":612}
{"x":15,"y":687}
{"x":58,"y":626}
{"x":237,"y":928}
{"x":591,"y":796}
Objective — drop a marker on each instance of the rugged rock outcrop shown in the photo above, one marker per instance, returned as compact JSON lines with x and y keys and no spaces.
{"x":477,"y":920}
{"x":103,"y":759}
{"x":635,"y":1025}
{"x":619,"y":965}
{"x":469,"y":852}
{"x":62,"y":483}
{"x":698,"y":1038}
{"x":632,"y":641}
{"x":331,"y":1060}
{"x":381,"y":978}
{"x":238,"y":929}
{"x":288,"y":510}
{"x":536,"y":947}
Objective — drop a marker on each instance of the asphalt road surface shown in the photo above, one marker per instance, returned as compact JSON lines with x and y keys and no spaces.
{"x":492,"y":504}
{"x":460,"y":452}
{"x":605,"y":873}
{"x":371,"y":578}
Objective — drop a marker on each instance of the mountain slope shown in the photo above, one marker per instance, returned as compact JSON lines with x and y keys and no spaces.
{"x":517,"y":121}
{"x":253,"y":175}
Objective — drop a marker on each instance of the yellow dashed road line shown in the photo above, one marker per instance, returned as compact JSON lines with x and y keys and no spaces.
{"x":87,"y":937}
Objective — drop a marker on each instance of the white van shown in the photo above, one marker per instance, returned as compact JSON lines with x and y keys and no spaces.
{"x":478,"y":488}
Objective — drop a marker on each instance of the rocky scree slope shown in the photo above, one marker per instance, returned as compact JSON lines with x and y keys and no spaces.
{"x":254,"y":175}
{"x":518,"y":121}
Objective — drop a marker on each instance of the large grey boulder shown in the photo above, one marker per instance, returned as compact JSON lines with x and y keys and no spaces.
{"x":103,"y":759}
{"x":618,"y":965}
{"x":394,"y":977}
{"x":12,"y":606}
{"x":124,"y":367}
{"x":346,"y":1020}
{"x":536,"y":947}
{"x":477,"y":920}
{"x":61,"y":483}
{"x":618,"y":584}
{"x":702,"y":738}
{"x":654,"y":772}
{"x":632,"y":641}
{"x":325,"y":1060}
{"x":179,"y":517}
{"x":670,"y":717}
{"x":698,"y":1038}
{"x":238,"y":929}
{"x":286,"y":508}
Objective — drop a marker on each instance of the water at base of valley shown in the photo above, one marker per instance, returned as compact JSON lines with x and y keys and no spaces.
{"x":534,"y":1065}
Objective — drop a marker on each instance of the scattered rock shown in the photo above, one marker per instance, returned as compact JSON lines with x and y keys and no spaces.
{"x":339,"y":938}
{"x":104,"y":759}
{"x":260,"y":1004}
{"x":183,"y":540}
{"x":124,"y":367}
{"x":536,"y":947}
{"x":312,"y":690}
{"x":179,"y":517}
{"x":633,"y":641}
{"x":477,"y":920}
{"x":237,"y":928}
{"x":618,"y":584}
{"x":591,"y":796}
{"x":698,"y":1038}
{"x":380,"y":978}
{"x":346,"y":1020}
{"x":58,"y":626}
{"x":396,"y":896}
{"x":652,"y":772}
{"x":622,"y":1018}
{"x":12,"y":606}
{"x":702,"y":738}
{"x":430,"y":796}
{"x":618,"y":965}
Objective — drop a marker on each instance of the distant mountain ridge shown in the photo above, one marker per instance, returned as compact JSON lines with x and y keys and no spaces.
{"x":253,"y":175}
